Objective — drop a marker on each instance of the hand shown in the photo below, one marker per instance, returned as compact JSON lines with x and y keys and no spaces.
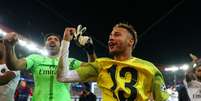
{"x":68,"y":33}
{"x":84,"y":42}
{"x":79,"y":32}
{"x":11,"y":39}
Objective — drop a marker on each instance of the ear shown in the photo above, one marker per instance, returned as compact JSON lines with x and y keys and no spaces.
{"x":130,"y":42}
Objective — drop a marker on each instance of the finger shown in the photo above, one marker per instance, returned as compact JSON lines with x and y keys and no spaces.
{"x":83,"y":40}
{"x":83,"y":30}
{"x":77,"y":32}
{"x":72,"y":31}
{"x":78,"y":28}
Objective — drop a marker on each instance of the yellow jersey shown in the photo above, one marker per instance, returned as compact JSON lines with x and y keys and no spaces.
{"x":130,"y":80}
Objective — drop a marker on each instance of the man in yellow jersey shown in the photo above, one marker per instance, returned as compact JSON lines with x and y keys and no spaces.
{"x":123,"y":78}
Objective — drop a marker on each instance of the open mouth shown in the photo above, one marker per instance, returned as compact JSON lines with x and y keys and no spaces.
{"x":111,"y":45}
{"x":52,"y":45}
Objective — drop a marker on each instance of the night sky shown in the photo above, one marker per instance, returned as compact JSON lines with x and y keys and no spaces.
{"x":168,"y":29}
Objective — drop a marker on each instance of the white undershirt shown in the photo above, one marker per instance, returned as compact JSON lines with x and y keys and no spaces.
{"x":193,"y":89}
{"x":7,"y":91}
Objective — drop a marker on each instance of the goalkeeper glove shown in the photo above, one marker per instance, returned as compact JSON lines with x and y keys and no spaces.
{"x":82,"y":41}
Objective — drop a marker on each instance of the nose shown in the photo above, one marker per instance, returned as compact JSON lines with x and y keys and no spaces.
{"x":111,"y":37}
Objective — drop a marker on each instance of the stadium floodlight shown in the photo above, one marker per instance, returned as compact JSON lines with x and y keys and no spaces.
{"x":2,"y":33}
{"x":32,"y":47}
{"x":173,"y":68}
{"x":24,"y":42}
{"x":184,"y":67}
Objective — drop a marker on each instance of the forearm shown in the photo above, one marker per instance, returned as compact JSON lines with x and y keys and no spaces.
{"x":11,"y":60}
{"x":63,"y":72}
{"x":89,"y":48}
{"x":91,"y":57}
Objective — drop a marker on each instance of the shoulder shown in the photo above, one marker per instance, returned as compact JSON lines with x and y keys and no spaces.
{"x":147,"y":64}
{"x":35,"y":56}
{"x":144,"y":62}
{"x":101,"y":62}
{"x":103,"y":59}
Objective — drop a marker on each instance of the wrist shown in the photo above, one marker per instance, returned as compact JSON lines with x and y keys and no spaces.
{"x":65,"y":44}
{"x":66,"y":39}
{"x":89,"y":48}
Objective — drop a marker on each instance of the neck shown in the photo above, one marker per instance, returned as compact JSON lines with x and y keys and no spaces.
{"x":123,"y":56}
{"x":53,"y":55}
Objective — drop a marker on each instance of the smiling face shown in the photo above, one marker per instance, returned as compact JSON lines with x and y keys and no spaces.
{"x":120,"y":40}
{"x":52,"y":44}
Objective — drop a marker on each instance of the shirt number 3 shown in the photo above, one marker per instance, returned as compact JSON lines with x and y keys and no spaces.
{"x":130,"y":85}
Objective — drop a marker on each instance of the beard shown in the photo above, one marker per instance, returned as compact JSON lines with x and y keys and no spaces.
{"x":52,"y":50}
{"x":115,"y":53}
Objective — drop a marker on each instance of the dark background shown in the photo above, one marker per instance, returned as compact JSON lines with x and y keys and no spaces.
{"x":168,"y":29}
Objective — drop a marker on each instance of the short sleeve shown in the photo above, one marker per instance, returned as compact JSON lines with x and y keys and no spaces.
{"x":30,"y":60}
{"x":159,"y":88}
{"x":74,"y":63}
{"x":88,"y":71}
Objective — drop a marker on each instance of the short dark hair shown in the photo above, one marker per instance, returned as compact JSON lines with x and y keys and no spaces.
{"x":197,"y":64}
{"x":130,"y":29}
{"x":52,"y":34}
{"x":87,"y":86}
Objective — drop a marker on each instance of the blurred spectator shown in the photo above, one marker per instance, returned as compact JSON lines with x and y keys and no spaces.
{"x":23,"y":92}
{"x":173,"y":93}
{"x":8,"y":79}
{"x":191,"y":90}
{"x":86,"y":94}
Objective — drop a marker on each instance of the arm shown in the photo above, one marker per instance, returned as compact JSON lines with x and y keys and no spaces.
{"x":85,"y":42}
{"x":11,"y":60}
{"x":91,"y":57}
{"x":89,"y":47}
{"x":86,"y":72}
{"x":6,"y":77}
{"x":63,"y":72}
{"x":159,"y":89}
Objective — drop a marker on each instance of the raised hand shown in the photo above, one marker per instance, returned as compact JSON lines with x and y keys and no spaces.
{"x":68,"y":33}
{"x":11,"y":38}
{"x":83,"y":41}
